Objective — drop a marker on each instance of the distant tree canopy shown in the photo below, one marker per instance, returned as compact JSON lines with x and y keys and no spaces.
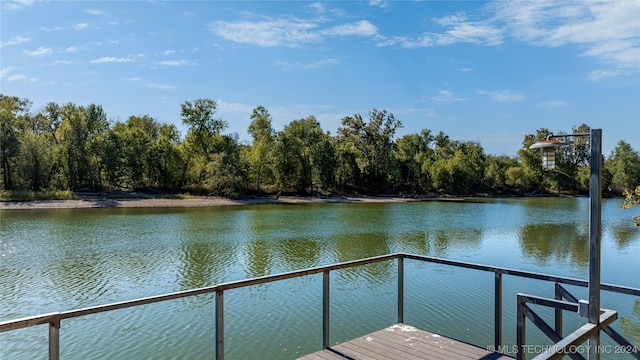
{"x":71,"y":147}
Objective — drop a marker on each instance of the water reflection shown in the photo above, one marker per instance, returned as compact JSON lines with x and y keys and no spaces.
{"x":554,"y":243}
{"x":631,"y":325}
{"x":258,"y":258}
{"x":441,"y":242}
{"x":299,"y":253}
{"x":208,"y":248}
{"x":624,"y":234}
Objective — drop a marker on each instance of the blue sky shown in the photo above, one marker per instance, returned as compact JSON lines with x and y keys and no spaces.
{"x":482,"y":71}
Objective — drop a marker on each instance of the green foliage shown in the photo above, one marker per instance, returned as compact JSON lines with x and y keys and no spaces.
{"x":261,"y":154}
{"x":28,"y":195}
{"x":70,"y":147}
{"x":624,"y":166}
{"x":631,"y":198}
{"x":371,"y":145}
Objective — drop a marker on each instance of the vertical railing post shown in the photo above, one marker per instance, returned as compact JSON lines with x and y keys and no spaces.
{"x":558,"y":312}
{"x":54,"y":338}
{"x":497,"y":311}
{"x":325,"y":310}
{"x":219,"y":324}
{"x":595,"y":228}
{"x":400,"y":289}
{"x":520,"y":328}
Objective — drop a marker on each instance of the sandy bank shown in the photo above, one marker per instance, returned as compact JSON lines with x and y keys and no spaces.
{"x":198,"y":202}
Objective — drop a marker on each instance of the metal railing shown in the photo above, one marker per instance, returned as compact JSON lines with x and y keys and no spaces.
{"x":54,"y":319}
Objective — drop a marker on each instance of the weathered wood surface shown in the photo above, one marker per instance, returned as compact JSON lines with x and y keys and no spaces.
{"x":404,"y":342}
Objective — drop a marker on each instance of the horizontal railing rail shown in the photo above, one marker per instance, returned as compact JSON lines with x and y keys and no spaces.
{"x":53,"y":319}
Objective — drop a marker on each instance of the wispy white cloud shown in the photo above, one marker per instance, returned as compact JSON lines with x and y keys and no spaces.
{"x":360,"y":28}
{"x":458,"y":29}
{"x":21,"y":77}
{"x":52,"y":29}
{"x":14,"y":41}
{"x":70,"y":49}
{"x":168,"y":52}
{"x":175,"y":62}
{"x":5,"y":71}
{"x":95,"y":12}
{"x":379,"y":3}
{"x":606,"y":30}
{"x":80,"y":26}
{"x":446,"y":96}
{"x":64,"y":62}
{"x":234,"y":107}
{"x":314,"y":64}
{"x":503,"y":96}
{"x":39,"y":52}
{"x":317,"y":7}
{"x":159,"y":86}
{"x":604,"y":73}
{"x":287,"y":32}
{"x":552,"y":104}
{"x":133,"y":79}
{"x":109,"y":59}
{"x":16,"y":4}
{"x":267,"y":33}
{"x":603,"y":29}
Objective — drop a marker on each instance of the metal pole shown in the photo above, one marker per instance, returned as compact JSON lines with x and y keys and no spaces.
{"x":400,"y":289}
{"x":595,"y":228}
{"x":558,"y":312}
{"x":219,"y":325}
{"x":497,"y":311}
{"x":325,"y":310}
{"x":521,"y":323}
{"x":54,"y":338}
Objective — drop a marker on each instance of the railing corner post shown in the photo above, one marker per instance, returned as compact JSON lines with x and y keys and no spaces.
{"x":401,"y":288}
{"x":54,"y":337}
{"x":520,"y":328}
{"x":219,"y":324}
{"x":326,"y":304}
{"x":497,"y":337}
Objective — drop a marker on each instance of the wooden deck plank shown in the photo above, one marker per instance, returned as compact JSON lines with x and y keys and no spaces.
{"x":322,"y":355}
{"x":409,"y":344}
{"x":435,"y":342}
{"x":401,"y":341}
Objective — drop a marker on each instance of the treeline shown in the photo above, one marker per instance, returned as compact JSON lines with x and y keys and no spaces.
{"x":71,"y":147}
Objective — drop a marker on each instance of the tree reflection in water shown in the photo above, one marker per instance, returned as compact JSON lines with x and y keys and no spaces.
{"x":552,"y":243}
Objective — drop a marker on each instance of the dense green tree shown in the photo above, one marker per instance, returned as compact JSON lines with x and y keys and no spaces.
{"x":415,"y":156}
{"x":203,"y":127}
{"x":528,"y":174}
{"x":495,"y":173}
{"x":80,"y":134}
{"x":371,"y":144}
{"x":324,"y":161}
{"x":262,"y":148}
{"x":226,"y":170}
{"x":458,"y":166}
{"x":297,"y":154}
{"x":203,"y":139}
{"x":36,"y":158}
{"x":624,"y":166}
{"x":12,"y":110}
{"x":166,"y":161}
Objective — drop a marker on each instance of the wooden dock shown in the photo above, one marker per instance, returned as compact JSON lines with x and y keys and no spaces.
{"x":402,"y":341}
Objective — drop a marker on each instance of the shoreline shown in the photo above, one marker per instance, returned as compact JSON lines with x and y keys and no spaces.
{"x":133,"y":202}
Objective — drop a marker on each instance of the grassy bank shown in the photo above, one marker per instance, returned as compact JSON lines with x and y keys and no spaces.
{"x":24,"y":195}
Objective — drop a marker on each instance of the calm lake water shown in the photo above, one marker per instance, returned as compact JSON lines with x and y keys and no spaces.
{"x":57,"y":260}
